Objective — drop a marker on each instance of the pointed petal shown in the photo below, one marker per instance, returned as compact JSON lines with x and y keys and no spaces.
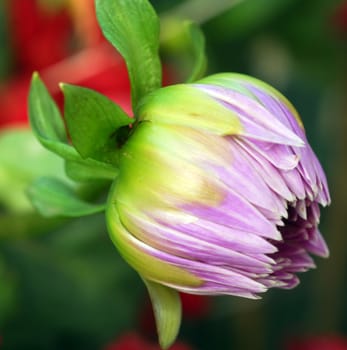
{"x":167,"y":311}
{"x":235,"y":212}
{"x":317,"y":245}
{"x":269,"y":174}
{"x":257,"y":121}
{"x":186,"y":246}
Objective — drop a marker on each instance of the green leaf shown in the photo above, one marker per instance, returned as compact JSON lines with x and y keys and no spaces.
{"x":197,"y":44}
{"x":93,"y":121}
{"x":132,"y":27}
{"x":80,"y":171}
{"x":44,"y":114}
{"x":49,"y":128}
{"x":46,"y":120}
{"x":52,"y":197}
{"x":167,"y":311}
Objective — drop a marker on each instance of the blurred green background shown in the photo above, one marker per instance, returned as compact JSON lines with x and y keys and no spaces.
{"x":62,"y":282}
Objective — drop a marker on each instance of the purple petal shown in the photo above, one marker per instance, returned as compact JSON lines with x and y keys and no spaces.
{"x":294,"y":183}
{"x":216,"y":233}
{"x":317,"y":245}
{"x":258,"y":122}
{"x":243,"y":177}
{"x":186,"y":246}
{"x":235,"y":212}
{"x":269,"y":173}
{"x":277,"y":108}
{"x":281,"y":156}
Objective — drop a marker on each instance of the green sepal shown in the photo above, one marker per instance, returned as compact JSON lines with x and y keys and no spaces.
{"x":45,"y":118}
{"x":93,"y":121}
{"x":48,"y":127}
{"x":132,"y":27}
{"x":167,"y":308}
{"x":52,"y":197}
{"x":82,"y":172}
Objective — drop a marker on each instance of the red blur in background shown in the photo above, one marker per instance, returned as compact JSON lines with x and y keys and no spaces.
{"x":63,"y":45}
{"x":132,"y":341}
{"x":322,"y":342}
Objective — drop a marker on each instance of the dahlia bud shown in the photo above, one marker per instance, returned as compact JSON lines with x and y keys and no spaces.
{"x":218,"y":189}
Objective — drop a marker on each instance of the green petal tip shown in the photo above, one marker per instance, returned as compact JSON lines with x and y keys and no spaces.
{"x":167,"y":312}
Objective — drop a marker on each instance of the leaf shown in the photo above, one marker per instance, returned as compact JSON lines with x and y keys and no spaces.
{"x":46,"y":120}
{"x":44,"y":114}
{"x":80,"y":171}
{"x":132,"y":27}
{"x":49,"y":128}
{"x":167,"y":311}
{"x":197,"y":44}
{"x":52,"y":197}
{"x":93,"y":121}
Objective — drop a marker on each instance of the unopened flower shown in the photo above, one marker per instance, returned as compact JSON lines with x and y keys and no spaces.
{"x":218,"y":190}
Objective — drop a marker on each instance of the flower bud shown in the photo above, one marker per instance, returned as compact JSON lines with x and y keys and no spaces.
{"x":218,"y":190}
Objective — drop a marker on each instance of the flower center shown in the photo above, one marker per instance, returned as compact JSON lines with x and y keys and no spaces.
{"x":298,"y":230}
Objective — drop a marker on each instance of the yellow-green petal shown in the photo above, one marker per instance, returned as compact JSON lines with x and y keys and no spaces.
{"x":167,"y":312}
{"x":148,"y":266}
{"x":185,"y":105}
